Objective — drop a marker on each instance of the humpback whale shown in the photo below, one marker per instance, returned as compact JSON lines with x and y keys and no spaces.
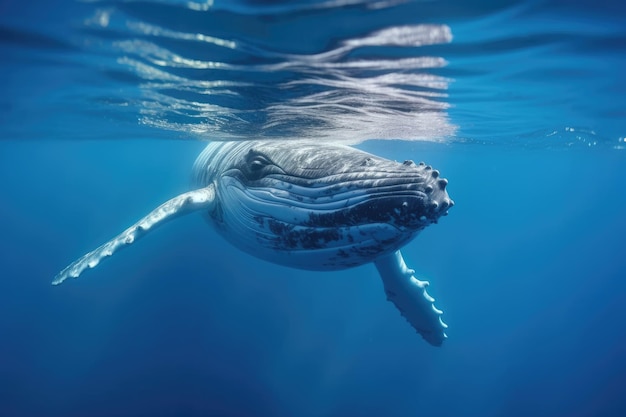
{"x":310,"y":206}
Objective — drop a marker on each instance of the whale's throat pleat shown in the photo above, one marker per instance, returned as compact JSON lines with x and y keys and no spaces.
{"x":319,"y":235}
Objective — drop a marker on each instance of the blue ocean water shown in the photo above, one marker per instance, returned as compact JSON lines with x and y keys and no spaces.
{"x":520,"y":104}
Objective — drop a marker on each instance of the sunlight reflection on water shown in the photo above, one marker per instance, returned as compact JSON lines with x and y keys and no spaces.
{"x":215,"y":84}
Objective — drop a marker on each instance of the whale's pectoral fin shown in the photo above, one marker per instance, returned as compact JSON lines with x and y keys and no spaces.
{"x":410,"y":297}
{"x":177,"y":206}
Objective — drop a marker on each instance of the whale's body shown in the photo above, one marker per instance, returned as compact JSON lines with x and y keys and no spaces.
{"x":317,"y":207}
{"x":311,"y":206}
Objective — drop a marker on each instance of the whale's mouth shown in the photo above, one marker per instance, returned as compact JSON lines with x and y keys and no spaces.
{"x":404,"y":212}
{"x":349,"y":199}
{"x":332,"y":225}
{"x":402,"y":203}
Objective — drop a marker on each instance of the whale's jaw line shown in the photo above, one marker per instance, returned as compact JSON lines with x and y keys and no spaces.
{"x":409,"y":198}
{"x":347,"y":227}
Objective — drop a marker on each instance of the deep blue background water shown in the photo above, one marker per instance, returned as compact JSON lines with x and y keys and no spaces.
{"x":529,"y":266}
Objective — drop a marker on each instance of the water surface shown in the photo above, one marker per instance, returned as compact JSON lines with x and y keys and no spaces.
{"x":520,"y":104}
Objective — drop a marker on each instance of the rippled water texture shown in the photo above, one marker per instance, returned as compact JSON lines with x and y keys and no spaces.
{"x":329,"y":71}
{"x":536,"y":73}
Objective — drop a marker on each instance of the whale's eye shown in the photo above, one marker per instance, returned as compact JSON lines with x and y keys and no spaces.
{"x":257,"y":165}
{"x":258,"y":162}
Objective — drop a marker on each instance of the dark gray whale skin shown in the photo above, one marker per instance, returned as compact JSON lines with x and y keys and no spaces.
{"x":310,"y":206}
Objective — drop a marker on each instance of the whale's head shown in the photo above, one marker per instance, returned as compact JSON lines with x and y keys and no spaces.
{"x":318,"y":206}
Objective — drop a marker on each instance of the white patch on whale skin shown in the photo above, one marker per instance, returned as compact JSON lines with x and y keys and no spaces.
{"x":409,"y":295}
{"x":177,"y":206}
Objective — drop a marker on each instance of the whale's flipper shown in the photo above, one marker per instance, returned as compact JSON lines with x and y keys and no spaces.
{"x":410,"y":297}
{"x":177,"y":206}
